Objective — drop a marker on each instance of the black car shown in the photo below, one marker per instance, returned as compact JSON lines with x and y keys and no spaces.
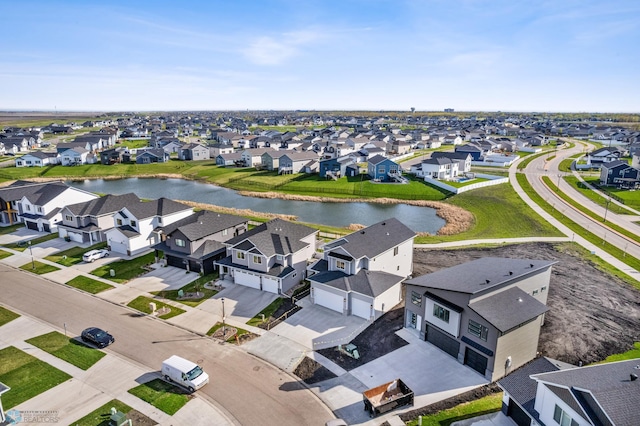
{"x":98,"y":337}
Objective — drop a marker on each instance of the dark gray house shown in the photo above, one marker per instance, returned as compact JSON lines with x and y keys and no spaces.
{"x":486,"y":313}
{"x":195,"y":242}
{"x":619,"y":173}
{"x":152,"y":155}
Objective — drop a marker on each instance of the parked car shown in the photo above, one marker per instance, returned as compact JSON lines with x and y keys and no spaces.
{"x":97,"y":336}
{"x":93,"y":255}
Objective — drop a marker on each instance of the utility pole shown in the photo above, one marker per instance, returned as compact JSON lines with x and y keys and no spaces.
{"x":606,"y":209}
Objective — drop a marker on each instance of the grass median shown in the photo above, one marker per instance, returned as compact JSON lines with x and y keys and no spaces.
{"x":73,"y":255}
{"x":125,"y":270}
{"x":7,"y":316}
{"x":141,"y":303}
{"x":193,"y":293}
{"x":486,"y":405}
{"x":67,"y":349}
{"x":162,"y":395}
{"x":88,"y":284}
{"x":39,"y":267}
{"x":5,"y":254}
{"x":24,"y":245}
{"x":101,"y":416}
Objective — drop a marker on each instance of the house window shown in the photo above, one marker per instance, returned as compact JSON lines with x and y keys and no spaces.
{"x":239,"y":255}
{"x":416,"y":298}
{"x":381,"y":170}
{"x":478,"y":330}
{"x":68,"y":217}
{"x":413,"y":319}
{"x":180,"y":243}
{"x":395,"y":251}
{"x":340,"y":264}
{"x":133,"y":223}
{"x":27,"y":207}
{"x":535,"y":292}
{"x":119,"y":222}
{"x":39,"y":209}
{"x":543,"y":289}
{"x":441,"y":313}
{"x":257,"y":259}
{"x":225,"y":231}
{"x":562,"y":417}
{"x":160,"y":220}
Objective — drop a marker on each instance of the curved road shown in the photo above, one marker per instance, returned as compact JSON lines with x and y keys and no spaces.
{"x":245,"y":389}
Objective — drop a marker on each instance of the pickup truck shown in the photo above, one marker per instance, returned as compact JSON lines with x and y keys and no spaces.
{"x":387,"y":397}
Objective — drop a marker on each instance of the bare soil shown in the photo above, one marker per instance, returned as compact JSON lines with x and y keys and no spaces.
{"x":312,"y":372}
{"x":139,"y":419}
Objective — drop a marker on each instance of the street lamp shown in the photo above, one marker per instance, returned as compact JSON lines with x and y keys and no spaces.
{"x":224,"y":328}
{"x":606,"y":209}
{"x":33,"y":264}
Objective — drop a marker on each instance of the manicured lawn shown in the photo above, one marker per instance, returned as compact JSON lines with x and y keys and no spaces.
{"x":24,"y":245}
{"x":135,"y":143}
{"x":4,"y":230}
{"x":485,"y":405}
{"x":268,"y":311}
{"x":89,"y":285}
{"x":26,"y":375}
{"x":73,"y":255}
{"x":125,"y":270}
{"x":7,"y":316}
{"x":629,"y":198}
{"x":630,"y":354}
{"x":191,"y":288}
{"x":162,"y":395}
{"x":141,"y":303}
{"x":67,"y":349}
{"x":464,"y":183}
{"x":4,"y":254}
{"x":594,"y":196}
{"x":40,"y":268}
{"x":100,"y":416}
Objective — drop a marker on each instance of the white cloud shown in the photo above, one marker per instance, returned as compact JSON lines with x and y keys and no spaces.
{"x":267,"y":50}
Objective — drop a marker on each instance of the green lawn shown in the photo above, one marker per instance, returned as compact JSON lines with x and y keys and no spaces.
{"x":26,"y":375}
{"x":191,"y":288}
{"x":141,"y":303}
{"x":39,"y":267}
{"x":67,"y":349}
{"x":630,"y":354}
{"x":4,"y":230}
{"x":629,"y":198}
{"x":100,"y":416}
{"x":485,"y":405}
{"x":268,"y":311}
{"x":594,"y":196}
{"x":162,"y":395}
{"x":73,"y":255}
{"x":7,"y":316}
{"x":125,"y":270}
{"x":24,"y":245}
{"x":239,"y":331}
{"x":4,"y":254}
{"x":135,"y":143}
{"x":88,"y":284}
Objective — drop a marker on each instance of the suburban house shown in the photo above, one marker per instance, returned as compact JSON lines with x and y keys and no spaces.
{"x":619,"y":173}
{"x":87,"y":222}
{"x":486,"y":313}
{"x":136,"y":225}
{"x":441,"y":168}
{"x":253,"y":157}
{"x":218,"y":148}
{"x":476,"y":152}
{"x":152,"y":155}
{"x":547,"y":392}
{"x":361,"y":274}
{"x":231,"y":159}
{"x":115,"y":155}
{"x":195,"y":242}
{"x":603,"y":155}
{"x":37,"y":159}
{"x":76,"y":156}
{"x":271,"y":160}
{"x":463,"y":158}
{"x":338,"y":167}
{"x":271,"y":257}
{"x":38,"y":205}
{"x":382,"y":169}
{"x":298,"y":162}
{"x":193,"y":151}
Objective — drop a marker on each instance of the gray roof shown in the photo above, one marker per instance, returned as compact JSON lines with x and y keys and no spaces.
{"x":274,"y":237}
{"x":207,"y":248}
{"x":377,"y":159}
{"x":160,"y":207}
{"x":203,"y":223}
{"x":41,"y":154}
{"x":509,"y":308}
{"x":369,"y":283}
{"x":36,"y":193}
{"x":108,"y":204}
{"x":128,"y":231}
{"x":451,"y":155}
{"x":481,"y":274}
{"x":609,"y":386}
{"x":374,"y":240}
{"x":438,"y":160}
{"x":301,"y":156}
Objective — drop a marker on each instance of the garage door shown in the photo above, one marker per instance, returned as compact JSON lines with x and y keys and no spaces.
{"x":328,"y":300}
{"x":444,"y":342}
{"x":74,"y":236}
{"x":175,"y":261}
{"x":46,"y":227}
{"x":361,"y":308}
{"x":246,"y":279}
{"x":476,"y":361}
{"x":270,"y":285}
{"x":32,"y":225}
{"x":118,"y":247}
{"x":518,"y":414}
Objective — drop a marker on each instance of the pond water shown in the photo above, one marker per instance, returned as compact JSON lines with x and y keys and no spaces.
{"x":419,"y":219}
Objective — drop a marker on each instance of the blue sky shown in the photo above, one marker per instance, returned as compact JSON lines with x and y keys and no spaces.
{"x":471,"y":55}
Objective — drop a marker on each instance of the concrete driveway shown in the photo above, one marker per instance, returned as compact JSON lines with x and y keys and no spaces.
{"x":19,"y":235}
{"x":316,"y":327}
{"x":240,"y":302}
{"x":163,"y":278}
{"x":53,"y":246}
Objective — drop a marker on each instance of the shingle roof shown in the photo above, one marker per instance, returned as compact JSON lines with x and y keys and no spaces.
{"x":369,"y":283}
{"x":160,"y":207}
{"x":451,"y":155}
{"x":103,"y":205}
{"x":203,"y":223}
{"x":609,"y":384}
{"x":377,"y":159}
{"x":375,"y":239}
{"x":37,"y":193}
{"x":275,"y":237}
{"x":438,"y":161}
{"x":481,"y":274}
{"x":509,"y":308}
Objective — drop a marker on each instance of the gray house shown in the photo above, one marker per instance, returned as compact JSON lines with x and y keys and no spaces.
{"x":193,"y":151}
{"x":486,"y":313}
{"x":296,"y":162}
{"x":195,"y":242}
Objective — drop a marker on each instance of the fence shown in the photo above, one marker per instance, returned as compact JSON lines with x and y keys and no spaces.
{"x":493,"y":180}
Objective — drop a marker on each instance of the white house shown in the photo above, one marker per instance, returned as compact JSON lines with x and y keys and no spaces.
{"x":361,"y":274}
{"x":437,"y":168}
{"x":135,"y":224}
{"x":75,"y":156}
{"x":37,"y":159}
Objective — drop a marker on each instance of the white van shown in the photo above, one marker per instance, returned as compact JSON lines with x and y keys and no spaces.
{"x":184,"y":372}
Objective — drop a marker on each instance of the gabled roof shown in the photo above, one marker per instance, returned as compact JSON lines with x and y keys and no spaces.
{"x":378,"y":159}
{"x":36,"y":193}
{"x":451,"y":155}
{"x":41,"y":154}
{"x":103,"y":205}
{"x":439,"y":161}
{"x":368,"y":283}
{"x":374,"y":240}
{"x":616,"y":164}
{"x":274,"y":237}
{"x":203,"y":223}
{"x":481,"y":274}
{"x":509,"y":308}
{"x":603,"y":386}
{"x":160,"y":207}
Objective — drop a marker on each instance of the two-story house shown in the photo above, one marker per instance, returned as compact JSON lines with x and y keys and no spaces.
{"x":463,"y":158}
{"x":195,"y":242}
{"x":87,"y":222}
{"x":271,"y":257}
{"x":619,"y":173}
{"x":361,"y":274}
{"x":76,"y":156}
{"x":135,"y":226}
{"x":193,"y":151}
{"x":486,"y":313}
{"x":298,"y":162}
{"x":440,"y":168}
{"x":382,"y":169}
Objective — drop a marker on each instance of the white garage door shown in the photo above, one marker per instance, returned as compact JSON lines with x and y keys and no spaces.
{"x":118,"y":247}
{"x":74,"y":236}
{"x":270,"y":285}
{"x":328,"y":300}
{"x":360,"y":308}
{"x":248,"y":280}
